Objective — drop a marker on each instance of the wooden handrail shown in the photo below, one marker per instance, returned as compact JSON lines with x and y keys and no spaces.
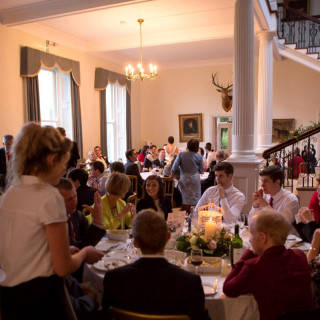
{"x":299,"y":13}
{"x":266,"y":154}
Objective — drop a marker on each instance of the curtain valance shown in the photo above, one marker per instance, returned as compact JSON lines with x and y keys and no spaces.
{"x":103,"y":77}
{"x":32,"y":60}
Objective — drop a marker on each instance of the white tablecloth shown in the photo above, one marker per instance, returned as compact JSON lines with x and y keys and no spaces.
{"x":145,"y":175}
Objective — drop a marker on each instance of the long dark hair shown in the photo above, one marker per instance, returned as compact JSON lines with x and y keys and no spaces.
{"x":144,"y":149}
{"x":147,"y":199}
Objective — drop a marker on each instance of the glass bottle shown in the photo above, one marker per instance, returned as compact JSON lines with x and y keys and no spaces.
{"x":236,"y":246}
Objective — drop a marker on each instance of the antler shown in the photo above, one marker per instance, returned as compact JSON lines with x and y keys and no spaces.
{"x":218,"y":85}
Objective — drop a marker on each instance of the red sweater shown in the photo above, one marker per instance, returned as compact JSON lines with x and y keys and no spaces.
{"x":314,"y":204}
{"x":279,"y":280}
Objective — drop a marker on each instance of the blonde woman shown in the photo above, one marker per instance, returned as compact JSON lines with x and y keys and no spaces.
{"x":116,"y":213}
{"x":34,"y":247}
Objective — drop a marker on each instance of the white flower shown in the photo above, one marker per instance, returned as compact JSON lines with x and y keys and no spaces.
{"x":193,"y":240}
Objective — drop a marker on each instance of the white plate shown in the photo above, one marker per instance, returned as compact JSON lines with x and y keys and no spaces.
{"x":109,"y":264}
{"x":118,"y":235}
{"x":208,"y":289}
{"x":105,"y":245}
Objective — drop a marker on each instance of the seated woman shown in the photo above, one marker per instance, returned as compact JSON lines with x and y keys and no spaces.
{"x":116,"y":213}
{"x":153,"y":197}
{"x":142,"y":154}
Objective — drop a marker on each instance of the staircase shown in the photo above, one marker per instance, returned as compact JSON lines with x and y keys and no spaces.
{"x":298,"y":36}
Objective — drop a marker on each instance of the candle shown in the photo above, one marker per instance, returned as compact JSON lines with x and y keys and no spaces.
{"x":210,"y":228}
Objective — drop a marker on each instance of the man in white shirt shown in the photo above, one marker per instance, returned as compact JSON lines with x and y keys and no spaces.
{"x":272,"y":195}
{"x":224,"y":194}
{"x":97,"y":178}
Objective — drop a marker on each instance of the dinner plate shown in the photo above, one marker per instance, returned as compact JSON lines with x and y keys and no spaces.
{"x":208,"y":289}
{"x":109,"y":264}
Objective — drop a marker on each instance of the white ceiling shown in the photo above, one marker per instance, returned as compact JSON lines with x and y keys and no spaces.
{"x":175,"y":32}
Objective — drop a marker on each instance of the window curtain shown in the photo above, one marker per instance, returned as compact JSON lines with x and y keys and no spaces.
{"x":76,"y":115}
{"x":33,"y":99}
{"x":31,"y":62}
{"x":102,"y":79}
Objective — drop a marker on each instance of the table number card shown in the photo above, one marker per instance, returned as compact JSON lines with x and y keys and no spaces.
{"x":176,"y":221}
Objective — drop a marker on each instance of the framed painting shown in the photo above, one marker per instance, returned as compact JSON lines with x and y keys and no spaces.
{"x":281,"y":129}
{"x":190,"y":127}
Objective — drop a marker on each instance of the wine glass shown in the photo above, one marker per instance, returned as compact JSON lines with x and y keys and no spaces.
{"x":196,"y":258}
{"x":241,"y":219}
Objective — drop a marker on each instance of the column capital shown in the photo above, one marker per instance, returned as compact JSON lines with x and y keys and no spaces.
{"x":266,"y":35}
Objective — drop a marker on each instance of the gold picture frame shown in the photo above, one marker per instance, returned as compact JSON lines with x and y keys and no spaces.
{"x":281,"y":129}
{"x":190,"y":127}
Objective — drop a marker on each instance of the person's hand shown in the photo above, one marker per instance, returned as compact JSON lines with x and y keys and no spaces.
{"x":73,"y":250}
{"x":305,"y":215}
{"x":132,"y":209}
{"x":124,"y":211}
{"x":92,"y":254}
{"x":258,"y":200}
{"x":96,"y":210}
{"x":95,"y":184}
{"x":220,"y":189}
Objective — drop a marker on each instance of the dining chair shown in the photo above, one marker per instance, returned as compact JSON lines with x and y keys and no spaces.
{"x":168,"y":186}
{"x":134,"y":184}
{"x":120,"y":314}
{"x":132,"y":199}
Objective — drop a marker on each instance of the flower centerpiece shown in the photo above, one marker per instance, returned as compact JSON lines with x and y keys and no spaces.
{"x":214,"y":246}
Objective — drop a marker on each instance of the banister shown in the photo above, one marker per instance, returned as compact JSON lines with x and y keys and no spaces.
{"x":266,"y":154}
{"x":299,"y":13}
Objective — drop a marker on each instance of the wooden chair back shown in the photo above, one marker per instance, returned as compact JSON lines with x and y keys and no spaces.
{"x":132,"y":199}
{"x":119,"y":314}
{"x":168,"y":186}
{"x":134,"y":184}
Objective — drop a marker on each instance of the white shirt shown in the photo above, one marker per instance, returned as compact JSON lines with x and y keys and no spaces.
{"x":232,"y":204}
{"x":25,"y":210}
{"x":285,"y":202}
{"x":211,"y":157}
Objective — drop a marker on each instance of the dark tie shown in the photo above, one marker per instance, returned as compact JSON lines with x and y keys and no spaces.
{"x":271,"y":202}
{"x":8,"y":155}
{"x":71,"y":230}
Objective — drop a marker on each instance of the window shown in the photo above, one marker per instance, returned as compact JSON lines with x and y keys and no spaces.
{"x":116,"y":122}
{"x":55,"y":99}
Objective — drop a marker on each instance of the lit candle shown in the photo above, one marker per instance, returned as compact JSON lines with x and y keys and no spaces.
{"x":210,"y":228}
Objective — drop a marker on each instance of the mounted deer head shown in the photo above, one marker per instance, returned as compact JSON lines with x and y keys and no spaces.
{"x":226,"y":99}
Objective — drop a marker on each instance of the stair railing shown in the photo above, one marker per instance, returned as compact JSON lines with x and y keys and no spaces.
{"x":299,"y":28}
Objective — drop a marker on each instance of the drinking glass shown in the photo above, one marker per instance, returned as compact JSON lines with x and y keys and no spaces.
{"x":241,"y":219}
{"x":196,"y":258}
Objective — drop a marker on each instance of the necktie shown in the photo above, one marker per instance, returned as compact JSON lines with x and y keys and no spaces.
{"x":8,"y":155}
{"x":271,"y":202}
{"x":71,"y":230}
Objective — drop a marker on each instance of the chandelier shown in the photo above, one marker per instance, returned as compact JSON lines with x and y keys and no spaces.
{"x":141,"y":74}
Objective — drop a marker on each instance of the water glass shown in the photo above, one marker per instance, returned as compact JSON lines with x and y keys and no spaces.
{"x":196,"y":258}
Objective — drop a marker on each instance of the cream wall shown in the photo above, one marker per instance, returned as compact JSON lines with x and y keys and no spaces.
{"x":11,"y":90}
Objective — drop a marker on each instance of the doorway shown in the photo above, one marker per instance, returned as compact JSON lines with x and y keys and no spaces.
{"x":224,"y":134}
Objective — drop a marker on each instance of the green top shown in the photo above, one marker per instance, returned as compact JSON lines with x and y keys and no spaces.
{"x":110,"y":216}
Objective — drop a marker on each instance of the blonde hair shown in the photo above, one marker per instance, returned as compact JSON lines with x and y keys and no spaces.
{"x":31,"y":148}
{"x":273,"y":223}
{"x":118,"y":183}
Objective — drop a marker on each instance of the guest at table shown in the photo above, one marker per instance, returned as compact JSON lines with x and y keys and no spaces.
{"x":201,"y":151}
{"x":209,"y":155}
{"x":307,"y":224}
{"x":131,"y":169}
{"x":97,"y":178}
{"x":5,"y":157}
{"x":118,"y":166}
{"x":153,"y":197}
{"x":74,"y":152}
{"x":162,"y":157}
{"x":278,"y":278}
{"x":85,"y":194}
{"x":34,"y":248}
{"x":91,"y":157}
{"x":272,"y":195}
{"x":152,"y":159}
{"x":164,"y":289}
{"x":224,"y":194}
{"x":100,"y":157}
{"x":171,"y":150}
{"x":191,"y":166}
{"x":116,"y":213}
{"x":142,"y":154}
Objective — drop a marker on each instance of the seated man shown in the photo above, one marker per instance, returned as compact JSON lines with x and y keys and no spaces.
{"x":154,"y":286}
{"x":272,"y":195}
{"x":224,"y":194}
{"x":162,"y":157}
{"x":97,"y":178}
{"x":209,"y":182}
{"x":151,"y":159}
{"x":278,"y":278}
{"x":99,"y":155}
{"x":85,"y":194}
{"x":5,"y":157}
{"x":131,"y":169}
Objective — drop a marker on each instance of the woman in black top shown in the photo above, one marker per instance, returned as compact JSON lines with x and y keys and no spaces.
{"x":153,"y":197}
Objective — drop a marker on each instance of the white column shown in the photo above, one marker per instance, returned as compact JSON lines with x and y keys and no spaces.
{"x":243,"y":84}
{"x":265,"y":91}
{"x":245,"y":162}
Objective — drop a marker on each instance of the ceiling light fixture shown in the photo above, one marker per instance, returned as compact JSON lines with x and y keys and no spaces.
{"x":141,"y":75}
